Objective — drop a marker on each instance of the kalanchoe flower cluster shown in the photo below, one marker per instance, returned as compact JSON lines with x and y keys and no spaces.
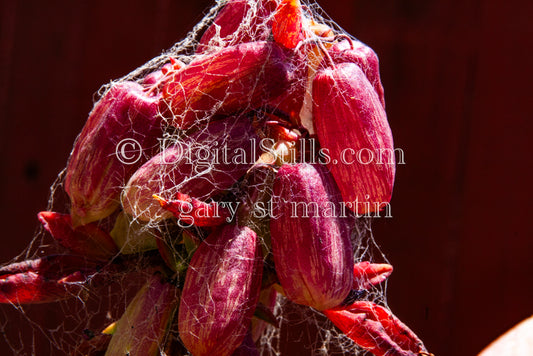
{"x":230,"y":196}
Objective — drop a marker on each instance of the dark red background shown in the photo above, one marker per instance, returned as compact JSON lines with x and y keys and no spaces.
{"x":458,"y":82}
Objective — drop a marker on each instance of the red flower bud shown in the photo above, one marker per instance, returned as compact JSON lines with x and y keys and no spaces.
{"x":142,"y":328}
{"x":44,"y":280}
{"x":352,"y":126}
{"x":86,"y":240}
{"x":96,"y":169}
{"x":310,"y":238}
{"x":375,"y":329}
{"x":225,"y":82}
{"x":221,"y":291}
{"x":287,"y":25}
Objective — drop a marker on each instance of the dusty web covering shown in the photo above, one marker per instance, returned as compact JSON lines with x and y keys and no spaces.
{"x":181,"y":153}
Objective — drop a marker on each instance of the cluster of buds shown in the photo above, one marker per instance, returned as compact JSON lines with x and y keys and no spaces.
{"x":274,"y":123}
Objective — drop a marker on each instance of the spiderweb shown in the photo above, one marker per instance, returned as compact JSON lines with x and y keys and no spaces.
{"x":186,"y":152}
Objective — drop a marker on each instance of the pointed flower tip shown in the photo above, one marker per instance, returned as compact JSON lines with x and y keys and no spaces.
{"x":376,"y":329}
{"x":43,"y":216}
{"x":86,"y":240}
{"x":110,"y":329}
{"x":161,"y":201}
{"x":368,"y":274}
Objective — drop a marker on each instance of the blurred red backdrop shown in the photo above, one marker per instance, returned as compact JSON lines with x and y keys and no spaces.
{"x":457,"y":78}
